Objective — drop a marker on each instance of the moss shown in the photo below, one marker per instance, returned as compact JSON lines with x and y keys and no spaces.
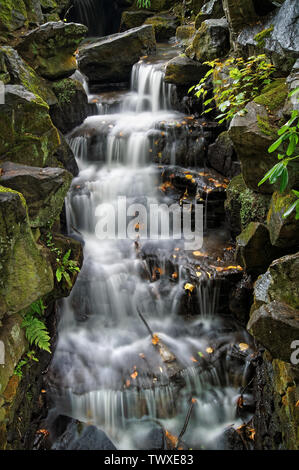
{"x":64,"y":90}
{"x":260,"y":37}
{"x":266,"y":127}
{"x":273,"y":96}
{"x":13,"y":15}
{"x":8,"y":190}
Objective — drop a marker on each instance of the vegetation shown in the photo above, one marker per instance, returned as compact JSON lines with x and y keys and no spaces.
{"x":65,"y":265}
{"x":36,"y":330}
{"x":246,"y":78}
{"x":30,"y":356}
{"x":143,"y":3}
{"x":288,"y":138}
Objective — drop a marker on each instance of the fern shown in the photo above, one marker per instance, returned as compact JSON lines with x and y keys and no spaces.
{"x":36,"y":330}
{"x":144,"y":3}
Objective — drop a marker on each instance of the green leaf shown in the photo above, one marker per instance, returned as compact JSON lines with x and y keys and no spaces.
{"x":284,"y":179}
{"x":290,"y":209}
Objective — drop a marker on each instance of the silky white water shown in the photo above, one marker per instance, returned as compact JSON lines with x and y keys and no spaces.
{"x":106,"y":369}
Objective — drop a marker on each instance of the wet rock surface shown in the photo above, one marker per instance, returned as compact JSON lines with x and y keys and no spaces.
{"x":101,"y":62}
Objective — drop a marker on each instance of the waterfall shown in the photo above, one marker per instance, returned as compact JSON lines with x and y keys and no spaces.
{"x":106,"y":369}
{"x":102,"y":17}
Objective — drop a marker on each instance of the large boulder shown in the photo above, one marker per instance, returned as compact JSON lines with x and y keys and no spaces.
{"x":253,"y":133}
{"x":133,"y":19}
{"x":27,"y":134}
{"x":184,"y":71}
{"x":18,"y":72}
{"x":25,"y":274}
{"x":185,"y":34}
{"x":280,"y":283}
{"x":243,"y":205}
{"x":50,"y":49}
{"x":211,"y":41}
{"x":239,"y":13}
{"x":44,"y":190}
{"x":213,"y":9}
{"x":283,"y":230}
{"x":277,"y":36}
{"x":254,"y":251}
{"x":78,"y":436}
{"x":222,"y":156}
{"x":110,"y":59}
{"x":276,"y":326}
{"x":164,"y":25}
{"x":72,"y":106}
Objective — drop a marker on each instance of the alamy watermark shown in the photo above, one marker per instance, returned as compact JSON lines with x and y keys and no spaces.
{"x":151,"y":221}
{"x":294,"y":359}
{"x":2,"y":93}
{"x":2,"y":353}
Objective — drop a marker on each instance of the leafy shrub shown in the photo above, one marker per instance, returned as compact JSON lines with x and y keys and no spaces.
{"x":35,"y":329}
{"x":288,"y":138}
{"x":246,"y":78}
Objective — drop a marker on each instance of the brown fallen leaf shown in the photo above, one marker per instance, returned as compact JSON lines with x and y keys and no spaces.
{"x":155,"y":339}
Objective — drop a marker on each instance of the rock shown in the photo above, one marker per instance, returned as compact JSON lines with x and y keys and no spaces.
{"x":110,"y":59}
{"x":50,"y":49}
{"x":240,"y":299}
{"x":65,"y":156}
{"x":252,"y":134}
{"x":277,"y":36}
{"x":293,"y":83}
{"x":72,"y":106}
{"x":44,"y":190}
{"x":276,"y":420}
{"x":34,"y":12}
{"x":20,"y":73}
{"x":243,"y":205}
{"x":210,"y":42}
{"x":279,"y":283}
{"x":78,"y":436}
{"x":239,"y":13}
{"x":164,"y":26}
{"x":254,"y":251}
{"x":275,"y":325}
{"x":184,"y":71}
{"x":230,"y":440}
{"x":133,"y":19}
{"x":25,"y":274}
{"x":222,"y":156}
{"x":185,"y":33}
{"x":27,"y":134}
{"x":283,"y":231}
{"x":211,"y":10}
{"x":13,"y":15}
{"x":15,"y":344}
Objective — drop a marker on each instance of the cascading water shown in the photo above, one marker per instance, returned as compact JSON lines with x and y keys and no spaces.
{"x":106,"y":369}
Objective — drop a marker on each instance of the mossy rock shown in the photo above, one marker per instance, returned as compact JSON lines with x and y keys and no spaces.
{"x":210,"y":10}
{"x":185,"y":33}
{"x":283,"y":231}
{"x":25,"y":274}
{"x":13,"y":15}
{"x":244,"y":205}
{"x":27,"y":134}
{"x":20,"y":73}
{"x":43,"y":189}
{"x":50,"y":49}
{"x":254,"y":251}
{"x":184,"y":71}
{"x":280,"y":282}
{"x":132,"y":19}
{"x":210,"y":42}
{"x":274,"y":95}
{"x":164,"y":26}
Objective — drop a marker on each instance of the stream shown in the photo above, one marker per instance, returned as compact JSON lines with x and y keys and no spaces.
{"x":108,"y":368}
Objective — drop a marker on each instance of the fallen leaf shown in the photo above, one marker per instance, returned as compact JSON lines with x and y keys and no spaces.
{"x":174,"y":276}
{"x":134,"y":375}
{"x":193,"y":359}
{"x":189,"y":287}
{"x":172,"y":439}
{"x":240,"y":402}
{"x":193,"y":400}
{"x":243,"y":346}
{"x":155,"y":339}
{"x":198,"y":253}
{"x":297,"y":404}
{"x":252,"y":433}
{"x":209,"y":350}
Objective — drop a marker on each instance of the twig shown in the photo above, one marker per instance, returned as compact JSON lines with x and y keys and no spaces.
{"x":184,"y":428}
{"x":145,"y":322}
